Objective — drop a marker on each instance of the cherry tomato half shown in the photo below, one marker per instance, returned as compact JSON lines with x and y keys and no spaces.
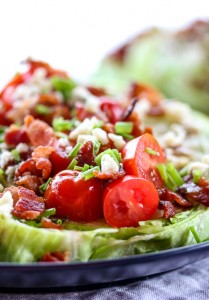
{"x":60,"y":161}
{"x":129,"y":200}
{"x":141,"y":157}
{"x":75,"y":198}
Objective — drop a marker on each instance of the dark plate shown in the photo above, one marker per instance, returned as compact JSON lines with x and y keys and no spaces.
{"x":45,"y":275}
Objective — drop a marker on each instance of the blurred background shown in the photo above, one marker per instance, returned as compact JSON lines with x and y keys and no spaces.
{"x":75,"y":35}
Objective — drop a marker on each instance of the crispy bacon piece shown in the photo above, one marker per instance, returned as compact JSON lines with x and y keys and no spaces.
{"x":85,"y":154}
{"x":134,"y":117}
{"x":196,"y":192}
{"x":45,"y":166}
{"x":47,"y":223}
{"x":28,"y":205}
{"x":169,"y":210}
{"x":141,"y":90}
{"x":55,"y":257}
{"x":39,"y":132}
{"x":108,"y":176}
{"x":27,"y":167}
{"x":42,"y":152}
{"x":171,"y":196}
{"x":96,"y":91}
{"x":31,"y":182}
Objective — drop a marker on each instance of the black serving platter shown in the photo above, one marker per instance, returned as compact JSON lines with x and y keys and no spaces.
{"x":56,"y":275}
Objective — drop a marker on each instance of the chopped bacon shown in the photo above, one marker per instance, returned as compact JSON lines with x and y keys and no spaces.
{"x":108,"y":127}
{"x":27,"y":167}
{"x":28,"y":206}
{"x":169,"y":210}
{"x":40,"y":64}
{"x":15,"y":135}
{"x":47,"y":223}
{"x":39,"y":132}
{"x":85,"y":154}
{"x":141,"y":91}
{"x":55,"y":257}
{"x":98,"y":92}
{"x":168,"y":195}
{"x":195,"y":192}
{"x":108,"y":176}
{"x":134,"y":118}
{"x":42,"y":152}
{"x":45,"y":165}
{"x":31,"y":182}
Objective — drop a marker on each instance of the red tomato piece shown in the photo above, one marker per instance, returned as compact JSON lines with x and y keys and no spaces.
{"x":129,"y":200}
{"x":141,"y":157}
{"x":75,"y":198}
{"x":112,"y":109}
{"x":60,"y":161}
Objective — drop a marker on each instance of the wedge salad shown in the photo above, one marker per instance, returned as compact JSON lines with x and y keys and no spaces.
{"x":88,"y":175}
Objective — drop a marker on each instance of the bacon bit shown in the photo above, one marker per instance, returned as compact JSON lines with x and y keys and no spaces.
{"x":196,"y":193}
{"x":28,"y":206}
{"x":31,"y":182}
{"x":169,"y":195}
{"x":107,"y":176}
{"x":29,"y":167}
{"x":98,"y":92}
{"x":148,"y":130}
{"x":141,"y":91}
{"x":45,"y":165}
{"x":55,"y":257}
{"x":108,"y":127}
{"x":15,"y":135}
{"x":40,"y":64}
{"x":39,"y":132}
{"x":85,"y":154}
{"x":134,"y":118}
{"x":47,"y":223}
{"x":48,"y":99}
{"x":128,"y":111}
{"x":42,"y":152}
{"x":169,"y":210}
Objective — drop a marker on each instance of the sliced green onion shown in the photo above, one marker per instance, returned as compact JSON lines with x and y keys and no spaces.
{"x":123,"y":127}
{"x":2,"y":178}
{"x":42,"y":109}
{"x":112,"y":152}
{"x":85,"y":167}
{"x":75,"y":150}
{"x":63,"y":85}
{"x":195,"y":234}
{"x":3,"y":128}
{"x":77,"y":168}
{"x":170,"y":183}
{"x":151,"y":151}
{"x":59,"y":222}
{"x":16,"y":155}
{"x":174,"y":174}
{"x":184,"y":171}
{"x":60,"y":124}
{"x":72,"y":164}
{"x":48,"y":212}
{"x":43,"y":187}
{"x":99,"y":124}
{"x":96,"y":147}
{"x":197,"y":174}
{"x":162,"y":170}
{"x":90,"y":173}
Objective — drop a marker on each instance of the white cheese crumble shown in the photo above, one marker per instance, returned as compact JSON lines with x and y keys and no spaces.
{"x":83,"y":138}
{"x":22,"y":147}
{"x":85,"y":127}
{"x":108,"y":164}
{"x":5,"y":158}
{"x":63,"y":142}
{"x":101,"y":135}
{"x":117,"y":140}
{"x":177,"y":111}
{"x":91,"y":102}
{"x":174,"y":137}
{"x":6,"y":204}
{"x":142,"y":107}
